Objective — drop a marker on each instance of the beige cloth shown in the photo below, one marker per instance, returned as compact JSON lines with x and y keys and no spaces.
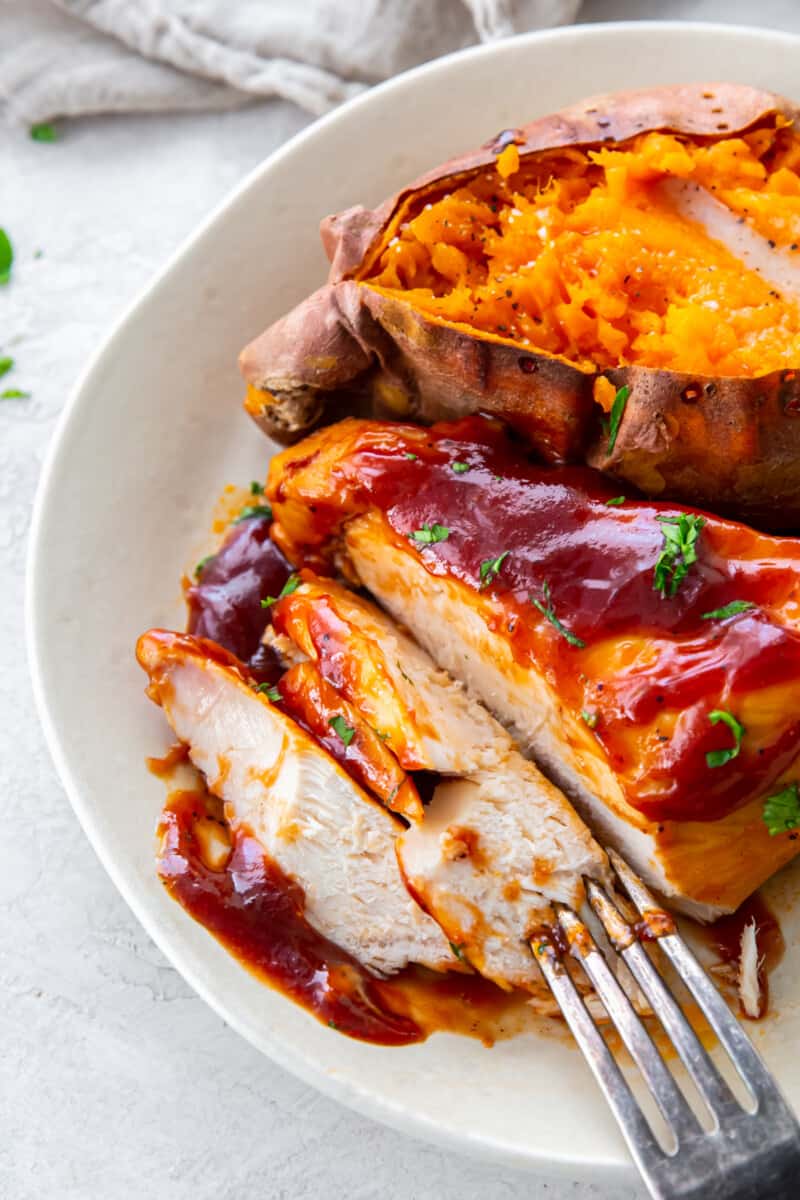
{"x":70,"y":57}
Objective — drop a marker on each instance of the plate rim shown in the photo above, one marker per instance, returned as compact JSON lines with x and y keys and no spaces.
{"x":288,"y":1056}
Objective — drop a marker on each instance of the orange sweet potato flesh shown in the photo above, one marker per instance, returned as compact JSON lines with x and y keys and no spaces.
{"x":540,"y":274}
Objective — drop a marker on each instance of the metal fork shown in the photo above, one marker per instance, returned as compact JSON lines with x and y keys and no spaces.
{"x":748,"y":1152}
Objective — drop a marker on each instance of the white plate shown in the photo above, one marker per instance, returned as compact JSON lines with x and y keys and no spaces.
{"x":151,"y":435}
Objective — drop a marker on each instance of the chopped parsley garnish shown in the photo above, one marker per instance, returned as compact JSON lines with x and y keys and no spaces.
{"x":5,"y":365}
{"x":728,"y":610}
{"x":680,"y":551}
{"x":615,"y":501}
{"x":589,"y":717}
{"x":407,"y":678}
{"x":457,"y":950}
{"x":548,"y":612}
{"x":460,"y":468}
{"x":617,"y":412}
{"x":6,"y":257}
{"x":44,"y":133}
{"x":262,"y":511}
{"x":490,"y":568}
{"x":270,"y":691}
{"x":411,"y":457}
{"x":201,"y":566}
{"x":430,"y":533}
{"x":380,"y":734}
{"x":345,"y":732}
{"x":14,"y":394}
{"x":256,"y":488}
{"x":718,"y":758}
{"x":291,"y":585}
{"x":781,"y":812}
{"x":332,"y":1024}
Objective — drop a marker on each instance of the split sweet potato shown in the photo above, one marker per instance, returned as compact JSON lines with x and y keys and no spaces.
{"x":620,"y":281}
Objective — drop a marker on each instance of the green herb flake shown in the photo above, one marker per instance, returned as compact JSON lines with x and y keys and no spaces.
{"x":490,"y":568}
{"x":548,"y":612}
{"x":344,"y":732}
{"x":270,"y":691}
{"x":718,"y":758}
{"x":615,"y":501}
{"x":291,"y":585}
{"x":262,"y":512}
{"x":14,"y":394}
{"x":379,"y":733}
{"x":679,"y":553}
{"x":256,"y":488}
{"x":332,"y":1024}
{"x":6,"y":257}
{"x":411,"y":457}
{"x":728,"y":610}
{"x":460,"y":468}
{"x":781,"y":812}
{"x":407,"y":678}
{"x":201,"y":566}
{"x":617,"y":413}
{"x":429,"y":534}
{"x":589,"y":717}
{"x":5,"y":366}
{"x":458,"y":950}
{"x":44,"y":133}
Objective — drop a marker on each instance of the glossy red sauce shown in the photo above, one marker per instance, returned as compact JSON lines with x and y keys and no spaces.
{"x":225,"y":602}
{"x":164,"y":765}
{"x":725,"y":939}
{"x":256,"y":912}
{"x":599,"y":564}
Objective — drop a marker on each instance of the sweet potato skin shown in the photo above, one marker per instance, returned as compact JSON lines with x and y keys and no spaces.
{"x":358,"y":339}
{"x":721,"y":443}
{"x":729,"y":445}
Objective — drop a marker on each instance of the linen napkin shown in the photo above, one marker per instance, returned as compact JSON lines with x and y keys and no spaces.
{"x":65,"y":58}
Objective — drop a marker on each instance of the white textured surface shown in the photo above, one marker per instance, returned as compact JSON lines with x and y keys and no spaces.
{"x":115,"y":1081}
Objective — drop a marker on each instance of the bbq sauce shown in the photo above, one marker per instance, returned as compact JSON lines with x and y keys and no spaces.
{"x":568,"y":580}
{"x":225,"y":602}
{"x":256,"y":912}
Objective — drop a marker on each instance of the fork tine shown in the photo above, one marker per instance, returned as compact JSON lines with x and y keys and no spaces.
{"x":635,"y":1129}
{"x":670,"y":1100}
{"x":712,"y":1087}
{"x":741,"y":1051}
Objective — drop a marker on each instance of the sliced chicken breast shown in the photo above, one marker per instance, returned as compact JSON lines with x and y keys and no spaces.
{"x":704,"y":868}
{"x":313,"y":820}
{"x":552,"y":600}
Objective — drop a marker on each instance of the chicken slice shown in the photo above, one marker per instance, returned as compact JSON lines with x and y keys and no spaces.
{"x":427,"y":719}
{"x":492,"y":853}
{"x":312,"y":819}
{"x":341,"y":729}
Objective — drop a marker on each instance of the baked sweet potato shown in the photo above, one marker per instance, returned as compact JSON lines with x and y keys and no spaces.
{"x":638,"y":248}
